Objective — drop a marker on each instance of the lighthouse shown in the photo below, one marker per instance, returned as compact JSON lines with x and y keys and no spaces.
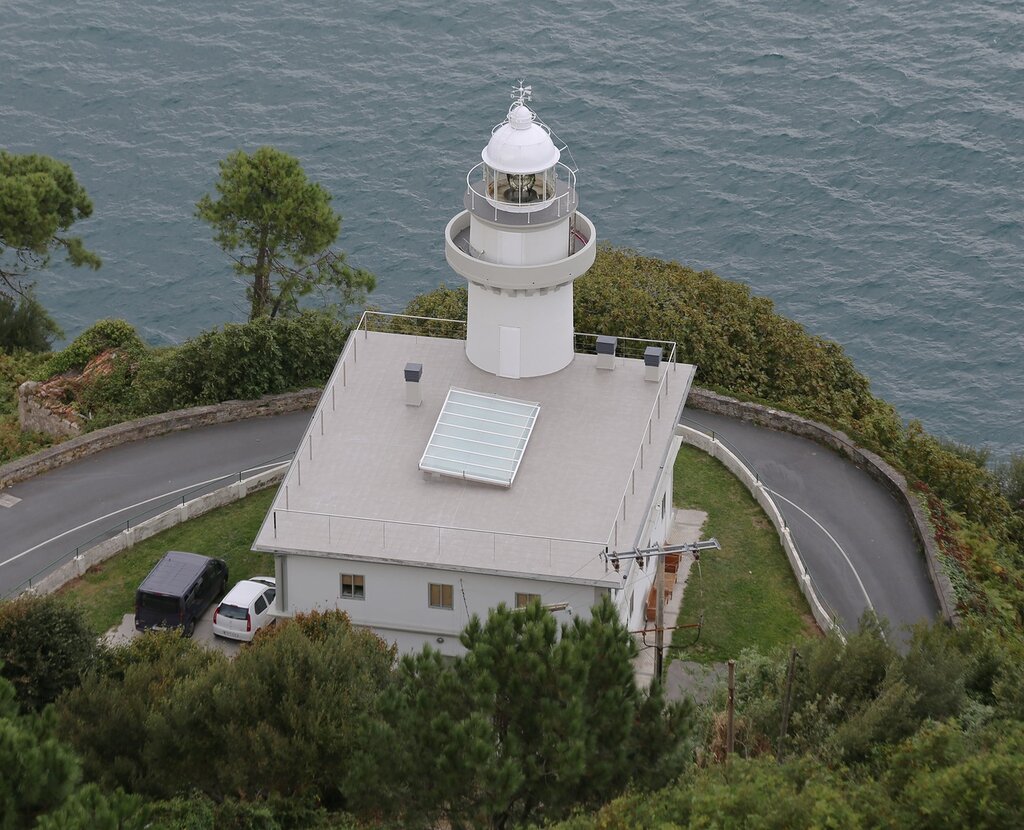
{"x":520,"y":243}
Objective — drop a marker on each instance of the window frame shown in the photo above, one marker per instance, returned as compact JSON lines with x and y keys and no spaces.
{"x":523,"y":599}
{"x":440,"y":605}
{"x":354,"y":582}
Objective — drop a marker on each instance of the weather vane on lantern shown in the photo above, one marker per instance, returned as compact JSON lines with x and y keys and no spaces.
{"x":521,"y":94}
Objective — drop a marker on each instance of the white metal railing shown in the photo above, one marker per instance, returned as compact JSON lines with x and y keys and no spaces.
{"x":640,"y":459}
{"x":427,"y":543}
{"x":559,"y":204}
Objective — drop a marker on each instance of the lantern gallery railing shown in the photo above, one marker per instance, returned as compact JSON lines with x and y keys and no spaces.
{"x":521,"y":198}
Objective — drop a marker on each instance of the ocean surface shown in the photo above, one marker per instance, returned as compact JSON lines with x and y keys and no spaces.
{"x":861,"y":163}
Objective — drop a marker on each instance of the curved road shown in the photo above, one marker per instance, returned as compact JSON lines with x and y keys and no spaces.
{"x":854,"y":537}
{"x":74,"y":504}
{"x":852,"y":534}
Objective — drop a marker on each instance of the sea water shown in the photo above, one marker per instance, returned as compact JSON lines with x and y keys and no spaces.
{"x":860,"y":163}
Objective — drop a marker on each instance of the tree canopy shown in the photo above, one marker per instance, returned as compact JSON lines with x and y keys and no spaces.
{"x":40,"y":199}
{"x":279,"y":228}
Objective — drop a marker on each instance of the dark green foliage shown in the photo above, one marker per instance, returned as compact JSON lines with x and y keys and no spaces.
{"x":241,"y":362}
{"x":1010,"y":475}
{"x":36,"y":771}
{"x":525,"y":726}
{"x":199,"y":812}
{"x":91,"y":809}
{"x":237,"y":362}
{"x":98,"y":338}
{"x":25,"y":324}
{"x":877,"y":739}
{"x":955,"y":477}
{"x":165,"y":718}
{"x":14,"y":370}
{"x":105,"y":718}
{"x":278,"y":227}
{"x":45,"y":647}
{"x":39,"y":200}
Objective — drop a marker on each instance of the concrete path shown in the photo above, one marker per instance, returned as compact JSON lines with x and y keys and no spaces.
{"x":853,"y":535}
{"x":89,"y":500}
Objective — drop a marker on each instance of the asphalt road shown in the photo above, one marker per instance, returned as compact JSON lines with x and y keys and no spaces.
{"x":854,"y":537}
{"x":91,"y":499}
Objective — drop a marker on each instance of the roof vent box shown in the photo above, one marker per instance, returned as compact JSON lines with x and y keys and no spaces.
{"x":652,"y":363}
{"x":606,"y":351}
{"x":413,"y":393}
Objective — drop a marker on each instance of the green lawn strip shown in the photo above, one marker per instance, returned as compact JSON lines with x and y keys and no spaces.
{"x":750,"y":596}
{"x":107,"y":591}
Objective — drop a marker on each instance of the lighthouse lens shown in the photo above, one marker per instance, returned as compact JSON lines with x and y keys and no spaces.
{"x":521,"y":187}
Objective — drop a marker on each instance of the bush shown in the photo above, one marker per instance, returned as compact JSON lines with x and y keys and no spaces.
{"x":245,"y":361}
{"x":45,"y":648}
{"x":98,"y":338}
{"x":26,"y":325}
{"x":1010,"y":476}
{"x":292,"y":704}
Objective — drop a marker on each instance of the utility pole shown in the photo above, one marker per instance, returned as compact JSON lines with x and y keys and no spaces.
{"x":787,"y":701}
{"x":730,"y":734}
{"x":659,"y":620}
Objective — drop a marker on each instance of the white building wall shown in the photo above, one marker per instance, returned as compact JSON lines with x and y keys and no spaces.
{"x":396,"y":602}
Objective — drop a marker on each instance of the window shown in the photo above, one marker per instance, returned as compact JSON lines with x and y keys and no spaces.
{"x":441,"y":596}
{"x":522,"y":600}
{"x":353,"y":586}
{"x":261,"y":605}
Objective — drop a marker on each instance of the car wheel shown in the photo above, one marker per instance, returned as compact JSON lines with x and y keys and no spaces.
{"x":190,"y":628}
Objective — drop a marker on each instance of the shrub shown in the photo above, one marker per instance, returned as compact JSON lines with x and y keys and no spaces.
{"x":45,"y":648}
{"x":25,"y":324}
{"x":246,"y":361}
{"x":99,"y":337}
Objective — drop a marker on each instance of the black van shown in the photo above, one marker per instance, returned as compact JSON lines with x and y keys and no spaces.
{"x":178,"y":590}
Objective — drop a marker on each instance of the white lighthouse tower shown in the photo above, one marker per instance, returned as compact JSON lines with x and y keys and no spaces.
{"x":520,"y":243}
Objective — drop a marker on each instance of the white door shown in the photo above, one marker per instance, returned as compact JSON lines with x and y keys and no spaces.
{"x":508,"y":352}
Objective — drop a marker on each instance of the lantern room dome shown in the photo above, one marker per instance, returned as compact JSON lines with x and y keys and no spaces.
{"x":521,"y":144}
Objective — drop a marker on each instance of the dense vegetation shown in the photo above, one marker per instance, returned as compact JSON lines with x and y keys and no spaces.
{"x":108,"y":375}
{"x":933,"y":738}
{"x":314,"y":724}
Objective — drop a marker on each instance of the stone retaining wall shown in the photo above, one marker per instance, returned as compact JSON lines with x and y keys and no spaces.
{"x":112,"y":436}
{"x":33,"y":416}
{"x":144,"y":530}
{"x":877,"y":467}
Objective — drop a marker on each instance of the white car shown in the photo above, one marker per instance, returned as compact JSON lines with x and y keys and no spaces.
{"x":246,"y":608}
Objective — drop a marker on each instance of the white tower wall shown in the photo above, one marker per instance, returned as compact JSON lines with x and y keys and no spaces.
{"x":520,"y":246}
{"x":520,"y":333}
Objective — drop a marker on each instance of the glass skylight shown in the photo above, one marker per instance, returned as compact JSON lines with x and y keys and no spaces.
{"x":480,"y":437}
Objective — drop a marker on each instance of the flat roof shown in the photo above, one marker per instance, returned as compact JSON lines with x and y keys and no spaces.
{"x":354,"y":488}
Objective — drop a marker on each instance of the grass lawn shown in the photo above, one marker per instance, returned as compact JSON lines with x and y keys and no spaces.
{"x":750,"y":596}
{"x":107,"y":591}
